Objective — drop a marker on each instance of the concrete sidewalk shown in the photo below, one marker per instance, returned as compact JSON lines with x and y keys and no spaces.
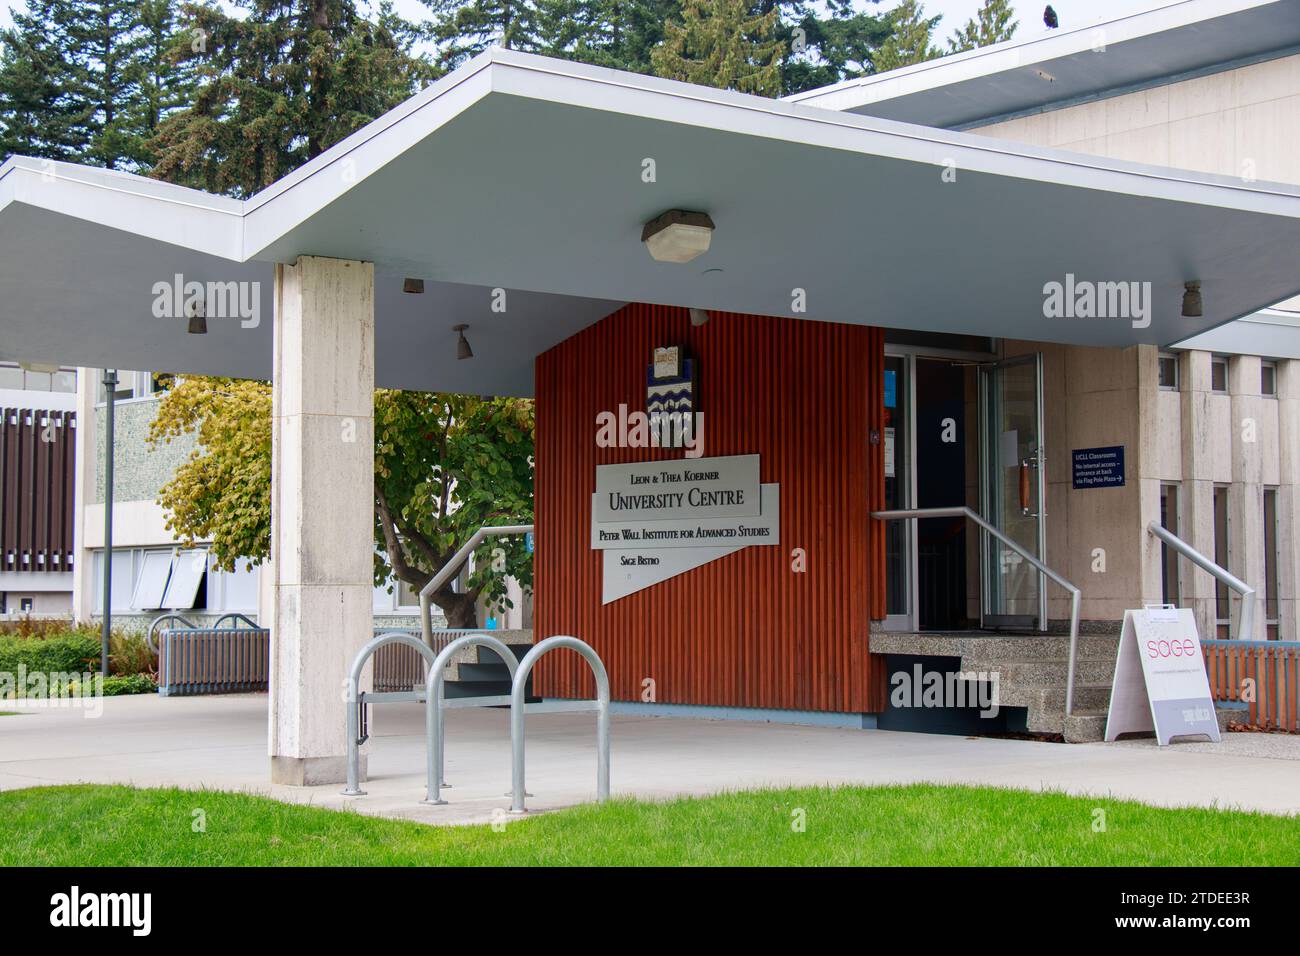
{"x":220,"y":742}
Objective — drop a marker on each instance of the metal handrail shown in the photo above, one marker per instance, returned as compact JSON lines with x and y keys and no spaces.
{"x":153,"y":628}
{"x":1246,"y":619}
{"x":962,"y":511}
{"x":452,"y":567}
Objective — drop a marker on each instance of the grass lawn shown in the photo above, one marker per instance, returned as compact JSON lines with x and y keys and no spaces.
{"x":102,"y":825}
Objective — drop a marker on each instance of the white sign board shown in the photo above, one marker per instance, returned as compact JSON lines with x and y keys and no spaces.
{"x":680,"y":488}
{"x":717,"y":508}
{"x":1160,"y":682}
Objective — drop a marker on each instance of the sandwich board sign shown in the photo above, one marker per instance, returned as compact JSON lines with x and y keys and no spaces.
{"x":1160,"y":682}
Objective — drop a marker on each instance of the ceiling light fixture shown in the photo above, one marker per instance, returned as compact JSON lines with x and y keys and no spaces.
{"x":198,"y":324}
{"x":1192,"y":304}
{"x":678,"y":235}
{"x":463,"y":351}
{"x":413,"y":286}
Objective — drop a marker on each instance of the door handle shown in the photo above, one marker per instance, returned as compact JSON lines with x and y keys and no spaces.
{"x":1024,"y":486}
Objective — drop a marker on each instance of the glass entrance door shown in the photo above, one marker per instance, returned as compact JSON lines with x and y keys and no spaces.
{"x":1012,"y":494}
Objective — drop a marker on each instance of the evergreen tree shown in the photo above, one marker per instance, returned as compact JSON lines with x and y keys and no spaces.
{"x":38,"y":115}
{"x":77,"y":80}
{"x":280,"y":85}
{"x":826,"y":50}
{"x":465,"y":28}
{"x":993,"y":23}
{"x":910,"y":41}
{"x":722,"y":43}
{"x":619,"y":34}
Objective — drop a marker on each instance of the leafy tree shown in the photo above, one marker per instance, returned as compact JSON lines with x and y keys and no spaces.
{"x":722,"y":43}
{"x":910,"y":41}
{"x":445,"y":465}
{"x":280,"y":85}
{"x":992,"y":23}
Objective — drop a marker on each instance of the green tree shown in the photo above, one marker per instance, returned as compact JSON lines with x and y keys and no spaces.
{"x":910,"y":41}
{"x":38,"y":115}
{"x":278,"y":86}
{"x":722,"y":43}
{"x":992,"y":23}
{"x":88,"y":80}
{"x":445,"y":465}
{"x":827,"y":49}
{"x":465,"y":28}
{"x":619,"y":34}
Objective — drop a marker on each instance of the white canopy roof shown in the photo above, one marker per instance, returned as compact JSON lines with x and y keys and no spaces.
{"x":525,"y":174}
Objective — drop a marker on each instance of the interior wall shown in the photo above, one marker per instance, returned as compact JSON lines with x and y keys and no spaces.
{"x":750,"y":629}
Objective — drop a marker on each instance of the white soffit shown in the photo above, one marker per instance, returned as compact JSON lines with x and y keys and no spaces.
{"x":1058,"y":67}
{"x":524,"y":174}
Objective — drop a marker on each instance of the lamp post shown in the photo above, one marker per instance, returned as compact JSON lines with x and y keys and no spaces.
{"x":110,"y":395}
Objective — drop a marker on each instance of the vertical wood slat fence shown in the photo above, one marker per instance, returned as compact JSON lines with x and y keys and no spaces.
{"x":238,"y":660}
{"x":400,"y":667}
{"x":205,"y":660}
{"x":1265,"y":675}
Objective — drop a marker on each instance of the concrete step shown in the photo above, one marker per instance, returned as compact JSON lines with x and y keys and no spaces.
{"x":1043,"y":673}
{"x":988,"y":647}
{"x":1051,"y":700}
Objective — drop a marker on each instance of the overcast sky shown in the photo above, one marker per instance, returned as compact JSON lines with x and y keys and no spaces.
{"x":955,"y":12}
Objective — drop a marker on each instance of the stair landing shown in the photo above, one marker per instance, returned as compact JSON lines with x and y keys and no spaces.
{"x":1031,"y":671}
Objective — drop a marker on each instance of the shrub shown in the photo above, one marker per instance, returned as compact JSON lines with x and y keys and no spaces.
{"x":129,"y":654}
{"x":118,"y":685}
{"x":60,"y":653}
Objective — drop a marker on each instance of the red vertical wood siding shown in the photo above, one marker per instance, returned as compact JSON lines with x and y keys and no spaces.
{"x":36,"y":489}
{"x":745,"y":630}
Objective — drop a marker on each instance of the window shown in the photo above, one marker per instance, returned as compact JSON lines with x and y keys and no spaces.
{"x":1218,"y":374}
{"x":1270,"y":564}
{"x":1268,"y":378}
{"x":56,"y":380}
{"x":188,"y":569}
{"x":1168,"y":368}
{"x":151,"y":585}
{"x":407,"y":596}
{"x":1168,"y":558}
{"x":1221,"y":558}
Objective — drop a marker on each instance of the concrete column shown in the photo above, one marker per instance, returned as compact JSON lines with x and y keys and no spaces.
{"x":1288,"y":499}
{"x":1246,"y":494}
{"x":1196,"y":504}
{"x":322,"y":509}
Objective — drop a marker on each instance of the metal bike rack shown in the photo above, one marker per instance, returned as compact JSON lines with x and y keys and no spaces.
{"x":435,"y":727}
{"x":358,"y":700}
{"x":236,"y":617}
{"x":153,"y":628}
{"x":518,"y":709}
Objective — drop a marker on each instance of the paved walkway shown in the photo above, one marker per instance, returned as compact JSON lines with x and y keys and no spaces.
{"x":220,"y":742}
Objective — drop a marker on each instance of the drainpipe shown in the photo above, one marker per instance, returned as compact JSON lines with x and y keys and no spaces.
{"x":110,"y":395}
